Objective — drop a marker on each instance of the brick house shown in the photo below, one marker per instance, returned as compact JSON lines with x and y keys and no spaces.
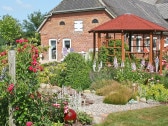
{"x":66,"y":26}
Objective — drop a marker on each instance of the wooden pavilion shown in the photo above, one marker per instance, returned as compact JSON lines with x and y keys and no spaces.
{"x":129,"y":24}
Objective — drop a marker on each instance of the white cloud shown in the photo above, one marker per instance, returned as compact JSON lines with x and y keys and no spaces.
{"x":7,"y":8}
{"x":22,"y":4}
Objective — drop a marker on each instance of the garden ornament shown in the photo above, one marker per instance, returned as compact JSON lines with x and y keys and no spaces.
{"x":115,"y":62}
{"x":157,"y":63}
{"x":70,"y":116}
{"x":122,"y":64}
{"x":133,"y":66}
{"x":150,"y":67}
{"x":99,"y":66}
{"x":142,"y":63}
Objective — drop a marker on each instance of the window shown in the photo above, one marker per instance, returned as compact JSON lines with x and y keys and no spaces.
{"x":166,"y":42}
{"x":78,"y":25}
{"x":95,"y":21}
{"x":62,"y":23}
{"x":52,"y":49}
{"x":147,"y":43}
{"x":132,"y":43}
{"x":66,"y":46}
{"x":138,"y":44}
{"x":154,"y":43}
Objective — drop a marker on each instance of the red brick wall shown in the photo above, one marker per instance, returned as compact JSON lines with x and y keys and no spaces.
{"x":80,"y":41}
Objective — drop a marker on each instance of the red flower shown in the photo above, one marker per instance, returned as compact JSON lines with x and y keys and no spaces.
{"x":34,"y":62}
{"x":36,"y":51}
{"x":31,"y":96}
{"x":34,"y":70}
{"x":30,"y":68}
{"x":38,"y":95}
{"x":25,"y":46}
{"x":19,"y":50}
{"x":29,"y":123}
{"x":3,"y":53}
{"x":4,"y":61}
{"x":17,"y":41}
{"x":16,"y":108}
{"x":10,"y":88}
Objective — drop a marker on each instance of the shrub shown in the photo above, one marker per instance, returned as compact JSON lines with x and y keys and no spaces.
{"x":77,"y":73}
{"x":113,"y":87}
{"x":106,"y":73}
{"x":84,"y":118}
{"x":100,"y":83}
{"x":155,"y":91}
{"x":51,"y":73}
{"x":119,"y":97}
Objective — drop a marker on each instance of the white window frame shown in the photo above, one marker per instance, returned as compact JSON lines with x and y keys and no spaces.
{"x":78,"y":25}
{"x":50,"y":55}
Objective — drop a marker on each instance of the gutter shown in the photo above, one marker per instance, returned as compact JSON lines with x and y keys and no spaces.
{"x":78,"y":10}
{"x":41,"y":25}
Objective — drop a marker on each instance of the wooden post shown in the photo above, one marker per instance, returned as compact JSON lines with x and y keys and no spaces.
{"x":107,"y":39}
{"x":151,"y":49}
{"x":94,"y":45}
{"x":12,"y":73}
{"x":130,"y":40}
{"x":161,"y":53}
{"x":99,"y":40}
{"x":122,"y":47}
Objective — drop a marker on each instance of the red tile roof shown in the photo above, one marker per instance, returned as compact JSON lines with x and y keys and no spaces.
{"x":128,"y":22}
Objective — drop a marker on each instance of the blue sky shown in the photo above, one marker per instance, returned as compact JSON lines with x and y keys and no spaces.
{"x":20,"y":9}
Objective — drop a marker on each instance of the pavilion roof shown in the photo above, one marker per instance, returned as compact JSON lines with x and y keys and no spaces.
{"x":128,"y":22}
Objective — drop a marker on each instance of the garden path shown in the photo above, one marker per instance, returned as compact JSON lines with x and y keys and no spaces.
{"x":100,"y":110}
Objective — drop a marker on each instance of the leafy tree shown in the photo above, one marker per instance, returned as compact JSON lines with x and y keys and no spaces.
{"x":76,"y":73}
{"x":31,"y":25}
{"x":10,"y":29}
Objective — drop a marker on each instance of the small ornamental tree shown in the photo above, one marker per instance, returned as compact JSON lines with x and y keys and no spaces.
{"x":77,"y":72}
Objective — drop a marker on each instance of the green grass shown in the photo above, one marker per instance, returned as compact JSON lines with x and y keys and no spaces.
{"x":155,"y":116}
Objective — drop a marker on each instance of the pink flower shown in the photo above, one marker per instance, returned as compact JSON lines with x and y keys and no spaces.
{"x":10,"y":88}
{"x":29,"y":123}
{"x":56,"y":105}
{"x":65,"y":103}
{"x":21,"y":40}
{"x":66,"y":109}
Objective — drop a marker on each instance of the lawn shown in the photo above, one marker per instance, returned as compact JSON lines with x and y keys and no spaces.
{"x":155,"y":116}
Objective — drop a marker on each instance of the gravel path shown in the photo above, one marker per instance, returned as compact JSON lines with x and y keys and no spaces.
{"x":100,"y":110}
